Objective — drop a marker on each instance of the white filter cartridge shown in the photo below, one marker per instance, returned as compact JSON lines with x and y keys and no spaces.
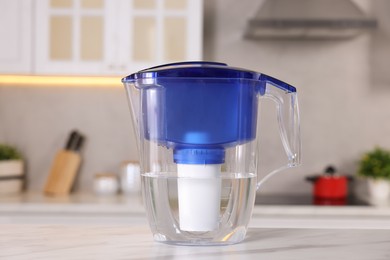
{"x":199,"y":195}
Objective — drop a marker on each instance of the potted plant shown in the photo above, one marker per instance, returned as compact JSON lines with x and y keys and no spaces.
{"x":373,"y":183}
{"x":11,"y":170}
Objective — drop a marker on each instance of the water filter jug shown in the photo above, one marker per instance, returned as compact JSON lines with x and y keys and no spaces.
{"x":196,"y":126}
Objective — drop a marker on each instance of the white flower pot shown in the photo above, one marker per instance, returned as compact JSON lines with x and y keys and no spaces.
{"x":11,"y":176}
{"x":373,"y":191}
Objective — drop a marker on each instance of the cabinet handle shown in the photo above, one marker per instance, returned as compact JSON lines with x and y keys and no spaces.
{"x":117,"y":67}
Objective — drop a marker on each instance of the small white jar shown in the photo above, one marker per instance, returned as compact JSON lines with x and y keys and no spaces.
{"x":105,"y":184}
{"x":130,"y":178}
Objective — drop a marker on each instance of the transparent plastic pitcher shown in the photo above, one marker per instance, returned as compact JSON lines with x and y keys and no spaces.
{"x":196,"y":124}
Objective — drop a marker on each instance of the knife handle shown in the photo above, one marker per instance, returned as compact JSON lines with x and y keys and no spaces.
{"x":71,"y":140}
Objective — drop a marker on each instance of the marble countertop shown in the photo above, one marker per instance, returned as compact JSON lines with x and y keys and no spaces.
{"x":83,"y":226}
{"x":135,"y":242}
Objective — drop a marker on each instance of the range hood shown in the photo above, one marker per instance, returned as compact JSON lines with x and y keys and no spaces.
{"x":308,"y":20}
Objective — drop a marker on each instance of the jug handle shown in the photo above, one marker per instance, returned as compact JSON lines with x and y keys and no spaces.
{"x":286,"y":100}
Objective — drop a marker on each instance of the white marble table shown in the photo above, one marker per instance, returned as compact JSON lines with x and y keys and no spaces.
{"x":135,"y":242}
{"x":86,"y":227}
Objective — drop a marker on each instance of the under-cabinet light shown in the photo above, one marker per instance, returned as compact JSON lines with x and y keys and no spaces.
{"x":59,"y":81}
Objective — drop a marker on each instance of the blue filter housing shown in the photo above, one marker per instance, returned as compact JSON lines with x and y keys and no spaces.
{"x":200,"y":108}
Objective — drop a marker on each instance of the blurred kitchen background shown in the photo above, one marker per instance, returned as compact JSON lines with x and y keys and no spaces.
{"x":82,"y":49}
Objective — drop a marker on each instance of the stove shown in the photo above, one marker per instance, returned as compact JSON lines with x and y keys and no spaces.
{"x":302,"y":200}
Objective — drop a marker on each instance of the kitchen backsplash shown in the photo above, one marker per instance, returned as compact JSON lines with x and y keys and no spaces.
{"x":38,"y":121}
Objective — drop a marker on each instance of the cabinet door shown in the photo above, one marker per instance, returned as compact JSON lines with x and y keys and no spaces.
{"x":103,"y":37}
{"x":71,"y":36}
{"x":160,"y":31}
{"x":15,"y":31}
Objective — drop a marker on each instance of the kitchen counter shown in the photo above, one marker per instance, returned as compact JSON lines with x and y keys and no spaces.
{"x":84,"y":208}
{"x":83,"y":226}
{"x":124,"y":204}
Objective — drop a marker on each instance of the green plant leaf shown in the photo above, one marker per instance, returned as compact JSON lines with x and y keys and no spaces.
{"x":9,"y":153}
{"x":375,"y":164}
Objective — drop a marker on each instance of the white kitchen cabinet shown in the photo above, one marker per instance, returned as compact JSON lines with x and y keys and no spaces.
{"x":15,"y":39}
{"x":103,"y":37}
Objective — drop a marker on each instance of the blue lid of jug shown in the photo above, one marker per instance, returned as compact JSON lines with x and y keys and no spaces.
{"x":199,"y":109}
{"x":204,"y":69}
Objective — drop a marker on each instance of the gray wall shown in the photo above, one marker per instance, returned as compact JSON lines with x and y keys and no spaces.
{"x":342,"y":114}
{"x":38,"y":121}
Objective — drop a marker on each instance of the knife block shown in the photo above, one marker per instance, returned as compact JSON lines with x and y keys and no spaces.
{"x":63,"y":173}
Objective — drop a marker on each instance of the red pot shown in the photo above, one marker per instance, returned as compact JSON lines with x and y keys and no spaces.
{"x":330,"y":186}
